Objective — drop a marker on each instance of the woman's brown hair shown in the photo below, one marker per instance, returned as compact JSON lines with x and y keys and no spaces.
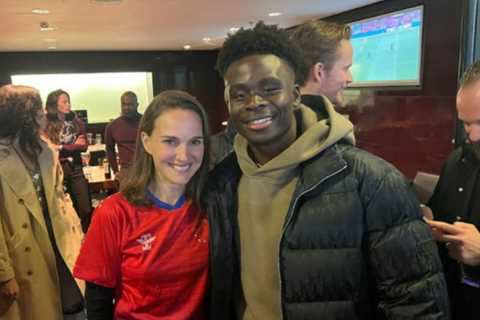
{"x":54,"y":124}
{"x":133,"y":186}
{"x":19,"y":107}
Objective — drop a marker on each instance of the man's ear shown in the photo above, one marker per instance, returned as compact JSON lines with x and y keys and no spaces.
{"x":318,"y":71}
{"x":226,"y":96}
{"x":298,"y":98}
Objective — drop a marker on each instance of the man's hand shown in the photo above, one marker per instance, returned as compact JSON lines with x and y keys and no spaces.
{"x":462,"y":240}
{"x":9,"y":289}
{"x":426,"y":212}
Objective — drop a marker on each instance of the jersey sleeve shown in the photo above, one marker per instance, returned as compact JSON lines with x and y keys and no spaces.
{"x":100,"y":256}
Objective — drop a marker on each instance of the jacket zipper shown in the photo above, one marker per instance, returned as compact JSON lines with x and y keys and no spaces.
{"x":288,"y":222}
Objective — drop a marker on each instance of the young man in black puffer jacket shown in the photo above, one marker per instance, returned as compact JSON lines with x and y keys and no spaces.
{"x":319,"y":228}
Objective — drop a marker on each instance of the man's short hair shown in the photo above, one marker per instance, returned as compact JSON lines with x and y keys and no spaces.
{"x":318,"y":40}
{"x":130,"y":94}
{"x":471,"y":75}
{"x":262,"y":39}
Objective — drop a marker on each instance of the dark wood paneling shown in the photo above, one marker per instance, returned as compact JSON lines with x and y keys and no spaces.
{"x":413,"y":127}
{"x":192,"y":71}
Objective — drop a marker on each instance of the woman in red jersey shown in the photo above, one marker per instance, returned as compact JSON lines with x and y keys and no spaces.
{"x":146,"y":254}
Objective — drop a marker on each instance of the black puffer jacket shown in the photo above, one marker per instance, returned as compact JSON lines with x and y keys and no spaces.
{"x":353,"y":247}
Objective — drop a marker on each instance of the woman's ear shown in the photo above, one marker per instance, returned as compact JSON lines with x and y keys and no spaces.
{"x":145,"y":141}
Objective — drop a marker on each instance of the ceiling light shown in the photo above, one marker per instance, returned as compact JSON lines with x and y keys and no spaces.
{"x":187,"y":47}
{"x":52,"y":48}
{"x":107,"y":1}
{"x":207,"y":39}
{"x":41,"y":11}
{"x":224,"y":123}
{"x":234,"y":29}
{"x":274,"y":14}
{"x":45,"y":26}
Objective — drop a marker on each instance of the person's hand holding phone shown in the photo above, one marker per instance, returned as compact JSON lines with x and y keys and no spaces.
{"x":462,"y":240}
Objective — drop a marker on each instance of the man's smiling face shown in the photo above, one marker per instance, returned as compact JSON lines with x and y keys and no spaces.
{"x":261,"y":96}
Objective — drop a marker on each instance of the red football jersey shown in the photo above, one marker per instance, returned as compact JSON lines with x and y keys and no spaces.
{"x":156,"y":259}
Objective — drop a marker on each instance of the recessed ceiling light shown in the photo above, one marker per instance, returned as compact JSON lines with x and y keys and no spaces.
{"x":274,"y":14}
{"x":106,"y":1}
{"x":52,"y":48}
{"x":224,"y":123}
{"x":45,"y":26}
{"x":187,"y":47}
{"x":41,"y":11}
{"x":207,"y":39}
{"x":234,"y":29}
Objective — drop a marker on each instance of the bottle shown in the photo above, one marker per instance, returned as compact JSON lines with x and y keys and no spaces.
{"x":108,"y":170}
{"x":90,"y":138}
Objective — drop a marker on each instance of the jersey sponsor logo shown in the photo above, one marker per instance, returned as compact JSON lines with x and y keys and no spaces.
{"x":146,"y":240}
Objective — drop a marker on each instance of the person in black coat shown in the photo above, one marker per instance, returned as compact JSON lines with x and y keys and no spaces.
{"x":456,"y":206}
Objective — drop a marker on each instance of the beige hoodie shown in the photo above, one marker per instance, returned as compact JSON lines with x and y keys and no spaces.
{"x":264,"y":196}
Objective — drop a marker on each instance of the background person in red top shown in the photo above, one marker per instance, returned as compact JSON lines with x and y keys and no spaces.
{"x":122,"y":132}
{"x":148,"y":245}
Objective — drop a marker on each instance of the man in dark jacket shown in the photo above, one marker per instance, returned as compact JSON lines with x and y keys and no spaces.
{"x":221,"y":144}
{"x":321,"y":229}
{"x":456,"y":206}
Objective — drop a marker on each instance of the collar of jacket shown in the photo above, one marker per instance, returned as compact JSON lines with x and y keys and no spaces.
{"x":320,"y":168}
{"x":20,"y":181}
{"x":312,"y":172}
{"x":469,"y":156}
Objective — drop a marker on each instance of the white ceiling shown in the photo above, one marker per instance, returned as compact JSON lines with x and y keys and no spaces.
{"x":146,"y":24}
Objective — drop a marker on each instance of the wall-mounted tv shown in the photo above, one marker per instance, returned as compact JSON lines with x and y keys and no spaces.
{"x":387,"y":49}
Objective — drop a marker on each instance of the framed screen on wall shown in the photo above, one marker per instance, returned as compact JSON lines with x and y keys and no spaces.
{"x":387,"y":49}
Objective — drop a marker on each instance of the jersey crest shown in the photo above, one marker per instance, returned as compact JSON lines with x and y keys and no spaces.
{"x":146,"y":240}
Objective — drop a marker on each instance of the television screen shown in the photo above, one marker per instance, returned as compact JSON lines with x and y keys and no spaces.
{"x":387,"y":49}
{"x":97,"y":93}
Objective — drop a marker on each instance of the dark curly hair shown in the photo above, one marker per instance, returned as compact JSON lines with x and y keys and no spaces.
{"x":19,"y":107}
{"x":261,"y":39}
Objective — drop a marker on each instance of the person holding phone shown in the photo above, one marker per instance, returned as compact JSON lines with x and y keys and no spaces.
{"x":456,"y":206}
